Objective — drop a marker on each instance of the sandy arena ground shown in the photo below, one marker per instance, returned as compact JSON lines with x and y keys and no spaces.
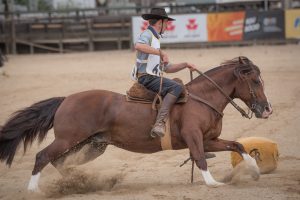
{"x":119,"y":174}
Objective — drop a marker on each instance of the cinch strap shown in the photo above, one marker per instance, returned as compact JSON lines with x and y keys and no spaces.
{"x":166,"y":142}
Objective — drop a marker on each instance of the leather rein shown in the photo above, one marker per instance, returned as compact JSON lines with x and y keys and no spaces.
{"x":197,"y":98}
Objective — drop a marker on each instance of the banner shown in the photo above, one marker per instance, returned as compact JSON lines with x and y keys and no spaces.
{"x":225,"y":26}
{"x":186,"y":28}
{"x":264,"y":25}
{"x":292,"y":24}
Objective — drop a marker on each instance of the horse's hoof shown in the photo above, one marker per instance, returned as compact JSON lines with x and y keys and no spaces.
{"x":255,"y":176}
{"x":215,"y":184}
{"x":34,"y":190}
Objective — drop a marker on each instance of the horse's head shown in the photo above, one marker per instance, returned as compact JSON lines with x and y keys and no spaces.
{"x":250,"y":87}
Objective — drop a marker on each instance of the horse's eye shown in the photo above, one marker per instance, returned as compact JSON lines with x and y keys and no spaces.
{"x":257,"y":82}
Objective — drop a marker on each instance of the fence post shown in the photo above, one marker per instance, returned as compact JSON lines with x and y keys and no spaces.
{"x":12,"y":27}
{"x":90,"y":33}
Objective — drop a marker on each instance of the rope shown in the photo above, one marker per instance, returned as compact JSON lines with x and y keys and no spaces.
{"x":192,"y":170}
{"x":205,"y":102}
{"x":158,"y":95}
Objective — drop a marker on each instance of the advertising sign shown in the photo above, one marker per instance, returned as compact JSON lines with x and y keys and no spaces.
{"x":225,"y":26}
{"x":186,"y":28}
{"x":292,"y":24}
{"x":264,"y":25}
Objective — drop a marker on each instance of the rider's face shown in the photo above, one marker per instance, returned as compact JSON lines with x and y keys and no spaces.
{"x":164,"y":25}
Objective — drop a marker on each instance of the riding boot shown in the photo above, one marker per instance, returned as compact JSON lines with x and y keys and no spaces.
{"x":163,"y":113}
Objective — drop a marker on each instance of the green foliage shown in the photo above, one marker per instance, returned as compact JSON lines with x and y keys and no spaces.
{"x":22,"y":2}
{"x":44,"y":6}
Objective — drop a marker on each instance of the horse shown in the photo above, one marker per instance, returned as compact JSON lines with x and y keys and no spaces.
{"x":97,"y":118}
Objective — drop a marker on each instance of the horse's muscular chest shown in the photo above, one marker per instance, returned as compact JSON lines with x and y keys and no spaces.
{"x":213,"y":130}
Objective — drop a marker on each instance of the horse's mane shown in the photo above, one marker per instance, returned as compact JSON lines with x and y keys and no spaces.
{"x":241,"y":65}
{"x":237,"y":61}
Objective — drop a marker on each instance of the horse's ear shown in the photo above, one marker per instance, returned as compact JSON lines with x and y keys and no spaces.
{"x":241,"y":60}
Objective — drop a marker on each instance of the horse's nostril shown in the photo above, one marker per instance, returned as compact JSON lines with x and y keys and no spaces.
{"x":267,"y":109}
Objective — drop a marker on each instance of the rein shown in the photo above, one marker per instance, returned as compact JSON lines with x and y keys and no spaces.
{"x":158,"y":95}
{"x":205,"y":102}
{"x":243,"y":113}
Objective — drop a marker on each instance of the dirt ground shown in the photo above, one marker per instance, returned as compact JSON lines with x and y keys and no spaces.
{"x":119,"y":174}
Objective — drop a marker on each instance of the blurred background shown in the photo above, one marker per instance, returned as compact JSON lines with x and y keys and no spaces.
{"x":266,"y":31}
{"x":51,"y":26}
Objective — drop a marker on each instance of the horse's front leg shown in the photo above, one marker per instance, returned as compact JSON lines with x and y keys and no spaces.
{"x":194,"y":141}
{"x":225,"y":145}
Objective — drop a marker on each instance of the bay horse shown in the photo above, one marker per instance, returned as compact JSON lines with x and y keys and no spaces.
{"x":98,"y":118}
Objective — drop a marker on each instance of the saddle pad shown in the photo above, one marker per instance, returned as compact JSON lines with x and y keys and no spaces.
{"x":139,"y":93}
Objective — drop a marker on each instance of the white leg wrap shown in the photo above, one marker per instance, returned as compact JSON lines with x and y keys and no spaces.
{"x":209,"y":180}
{"x":249,"y":160}
{"x":34,"y":183}
{"x":252,"y":166}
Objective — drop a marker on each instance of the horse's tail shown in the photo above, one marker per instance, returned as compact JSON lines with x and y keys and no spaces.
{"x":25,"y":125}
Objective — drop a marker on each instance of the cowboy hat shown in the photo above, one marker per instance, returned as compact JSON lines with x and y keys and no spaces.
{"x":157,"y":13}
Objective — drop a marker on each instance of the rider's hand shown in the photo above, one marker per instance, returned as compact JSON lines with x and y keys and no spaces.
{"x":164,"y":57}
{"x":191,"y":67}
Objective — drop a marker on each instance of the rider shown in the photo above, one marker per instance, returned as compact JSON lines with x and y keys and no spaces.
{"x":148,"y":68}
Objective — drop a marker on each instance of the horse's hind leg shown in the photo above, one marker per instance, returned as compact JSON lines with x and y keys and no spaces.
{"x":87,"y":153}
{"x":56,"y":148}
{"x":82,"y":153}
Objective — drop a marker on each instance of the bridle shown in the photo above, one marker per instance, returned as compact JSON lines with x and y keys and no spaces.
{"x":253,"y":97}
{"x":243,"y":112}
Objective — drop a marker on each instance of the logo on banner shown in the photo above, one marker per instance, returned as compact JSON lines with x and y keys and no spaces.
{"x":144,"y":26}
{"x":170,"y":26}
{"x":251,"y":25}
{"x":235,"y":28}
{"x":170,"y":31}
{"x":271,"y":24}
{"x":297,"y":23}
{"x":192,"y":26}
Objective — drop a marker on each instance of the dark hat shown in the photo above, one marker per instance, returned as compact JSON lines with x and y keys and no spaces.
{"x":157,"y":13}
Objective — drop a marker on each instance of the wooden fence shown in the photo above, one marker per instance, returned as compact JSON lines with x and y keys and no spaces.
{"x":62,"y":34}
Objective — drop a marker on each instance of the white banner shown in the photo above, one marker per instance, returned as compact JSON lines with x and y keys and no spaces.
{"x":186,"y":28}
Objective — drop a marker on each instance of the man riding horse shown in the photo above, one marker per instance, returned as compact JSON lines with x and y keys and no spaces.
{"x":98,"y":118}
{"x":148,"y":67}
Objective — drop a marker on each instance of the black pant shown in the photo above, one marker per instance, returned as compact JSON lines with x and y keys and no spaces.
{"x":168,"y":86}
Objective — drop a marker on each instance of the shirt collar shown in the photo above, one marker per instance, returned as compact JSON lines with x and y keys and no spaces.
{"x":153,"y":31}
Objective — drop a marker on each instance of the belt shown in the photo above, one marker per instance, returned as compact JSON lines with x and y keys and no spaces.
{"x":139,"y":75}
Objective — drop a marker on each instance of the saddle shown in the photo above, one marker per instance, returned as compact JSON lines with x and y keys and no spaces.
{"x":140,"y":94}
